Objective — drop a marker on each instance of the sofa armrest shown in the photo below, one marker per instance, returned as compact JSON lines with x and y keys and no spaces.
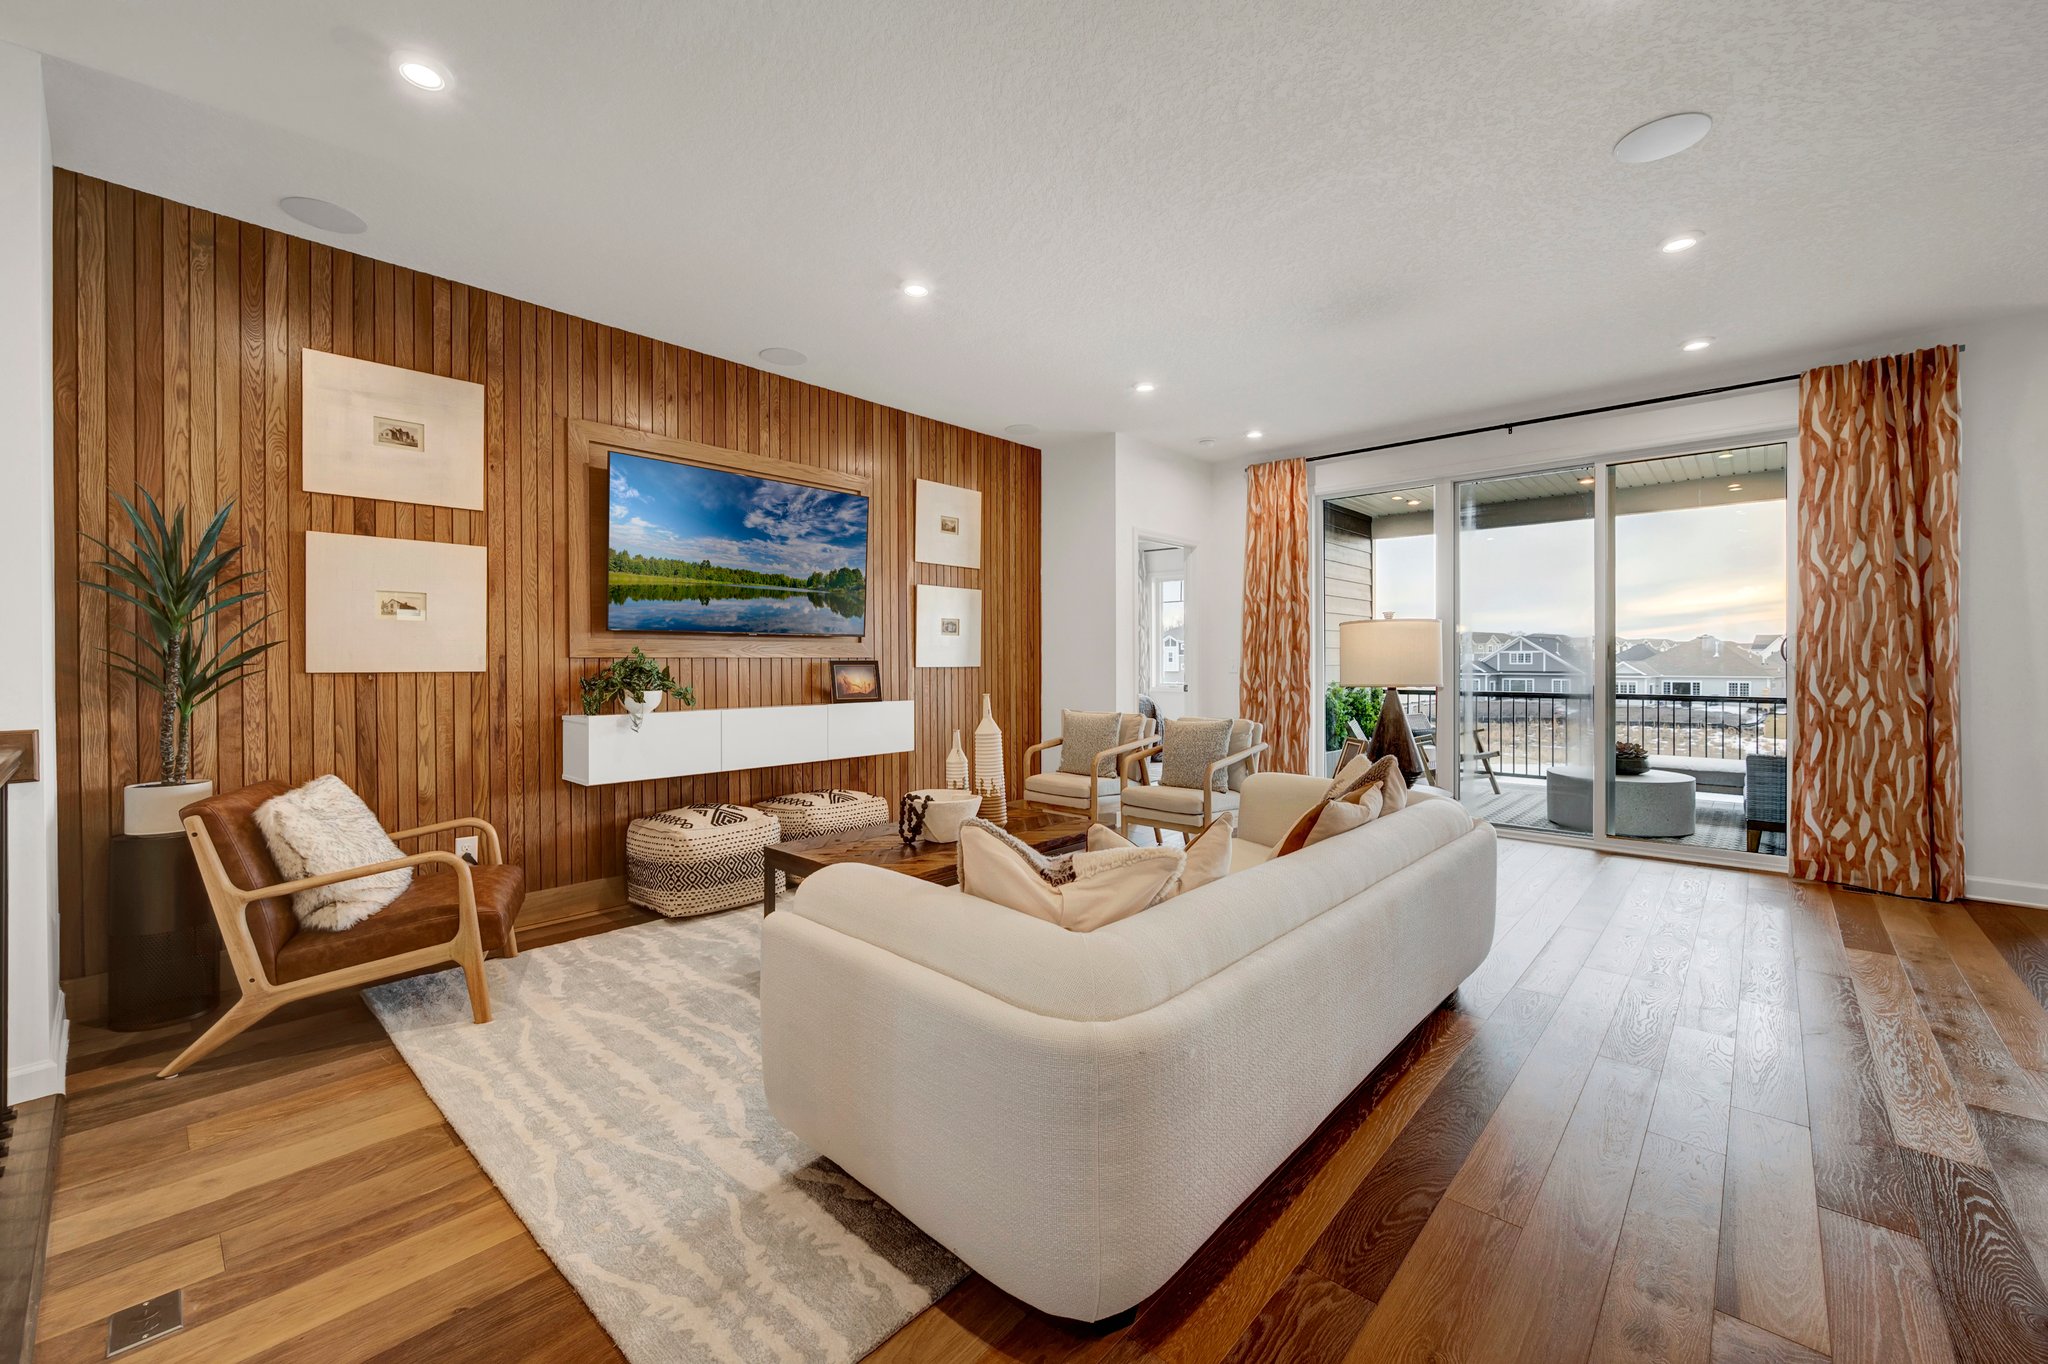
{"x":1272,"y":801}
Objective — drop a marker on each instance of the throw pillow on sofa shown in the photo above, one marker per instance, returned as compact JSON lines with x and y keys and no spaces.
{"x":1352,"y":783}
{"x":1341,"y":816}
{"x":324,"y":827}
{"x":1081,"y":891}
{"x":1208,"y":853}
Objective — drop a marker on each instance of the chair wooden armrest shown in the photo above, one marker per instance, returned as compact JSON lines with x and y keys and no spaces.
{"x":1031,"y":753}
{"x":492,"y":852}
{"x":1147,"y":749}
{"x":465,"y":897}
{"x":1222,"y":764}
{"x":1115,"y":758}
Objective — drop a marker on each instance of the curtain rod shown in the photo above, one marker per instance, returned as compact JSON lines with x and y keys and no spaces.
{"x":1556,"y":417}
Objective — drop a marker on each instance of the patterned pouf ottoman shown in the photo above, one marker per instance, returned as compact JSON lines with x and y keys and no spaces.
{"x":805,"y":814}
{"x":698,"y":859}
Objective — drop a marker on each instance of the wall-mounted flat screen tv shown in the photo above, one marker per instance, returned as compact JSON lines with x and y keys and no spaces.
{"x":693,"y":550}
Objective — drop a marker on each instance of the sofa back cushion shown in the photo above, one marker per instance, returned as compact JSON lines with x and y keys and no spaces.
{"x":1136,"y":963}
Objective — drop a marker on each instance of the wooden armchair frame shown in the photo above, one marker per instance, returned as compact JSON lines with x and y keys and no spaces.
{"x":1114,"y":756}
{"x":260,"y":997}
{"x":1158,"y":823}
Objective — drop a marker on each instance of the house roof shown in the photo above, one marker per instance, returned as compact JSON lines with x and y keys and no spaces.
{"x":1707,"y":656}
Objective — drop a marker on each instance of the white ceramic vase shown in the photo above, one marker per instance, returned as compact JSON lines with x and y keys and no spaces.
{"x":641,"y":706}
{"x":989,"y":779}
{"x":956,"y":766}
{"x":152,"y":807}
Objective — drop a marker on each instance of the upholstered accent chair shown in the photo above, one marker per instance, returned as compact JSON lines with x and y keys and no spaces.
{"x":456,"y":914}
{"x":1069,"y":789}
{"x":1188,"y":807}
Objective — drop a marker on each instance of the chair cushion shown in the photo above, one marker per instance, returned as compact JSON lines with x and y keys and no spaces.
{"x":230,"y":824}
{"x":321,"y":828}
{"x":1188,"y":749}
{"x":1183,"y":801}
{"x":424,"y":916}
{"x":1064,"y":788}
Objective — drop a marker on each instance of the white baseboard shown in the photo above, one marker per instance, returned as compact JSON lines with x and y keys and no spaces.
{"x":46,"y":1076}
{"x":2031,"y":894}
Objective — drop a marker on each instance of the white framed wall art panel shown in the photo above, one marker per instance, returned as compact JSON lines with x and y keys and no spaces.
{"x":379,"y":605}
{"x":372,"y":430}
{"x":948,"y":525}
{"x":948,"y":627}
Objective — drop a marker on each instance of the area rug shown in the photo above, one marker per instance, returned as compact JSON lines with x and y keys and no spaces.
{"x":1717,"y":824}
{"x":616,"y":1101}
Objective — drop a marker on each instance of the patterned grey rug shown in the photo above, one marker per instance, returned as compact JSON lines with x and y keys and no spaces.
{"x":616,"y":1100}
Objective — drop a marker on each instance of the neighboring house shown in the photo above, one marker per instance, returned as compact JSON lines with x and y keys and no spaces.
{"x":1706,"y":666}
{"x":1540,"y":664}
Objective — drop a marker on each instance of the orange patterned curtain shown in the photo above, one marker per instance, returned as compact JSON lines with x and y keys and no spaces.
{"x":1277,"y":675}
{"x":1876,"y":794}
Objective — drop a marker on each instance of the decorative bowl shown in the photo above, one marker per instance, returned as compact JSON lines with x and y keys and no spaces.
{"x":948,"y":811}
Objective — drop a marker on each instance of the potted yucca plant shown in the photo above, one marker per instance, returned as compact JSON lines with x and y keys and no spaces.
{"x":178,"y":592}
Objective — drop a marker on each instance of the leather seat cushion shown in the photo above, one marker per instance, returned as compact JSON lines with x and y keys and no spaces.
{"x":425,"y":916}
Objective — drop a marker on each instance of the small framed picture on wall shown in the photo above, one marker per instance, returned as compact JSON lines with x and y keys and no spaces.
{"x":856,"y":679}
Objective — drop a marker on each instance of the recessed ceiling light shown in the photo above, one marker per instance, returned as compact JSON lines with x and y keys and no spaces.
{"x":1659,"y":138}
{"x":1254,"y":435}
{"x":1414,"y":501}
{"x":321,"y":214}
{"x":1698,"y":343}
{"x":916,"y":290}
{"x":1684,"y":241}
{"x":1206,"y":441}
{"x":1734,"y":487}
{"x":1143,"y":386}
{"x":783,"y":355}
{"x":1587,"y":481}
{"x":1725,"y":454}
{"x":425,"y":75}
{"x":1020,"y":429}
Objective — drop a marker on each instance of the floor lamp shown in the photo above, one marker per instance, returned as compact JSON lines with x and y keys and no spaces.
{"x":1392,"y":654}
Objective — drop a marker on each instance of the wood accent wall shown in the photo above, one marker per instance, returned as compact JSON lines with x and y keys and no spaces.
{"x":177,"y":360}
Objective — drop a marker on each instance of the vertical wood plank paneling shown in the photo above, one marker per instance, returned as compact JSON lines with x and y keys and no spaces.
{"x":177,"y":361}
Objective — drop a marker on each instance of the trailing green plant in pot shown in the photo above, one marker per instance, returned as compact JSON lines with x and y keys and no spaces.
{"x":637,"y":682}
{"x":178,"y":592}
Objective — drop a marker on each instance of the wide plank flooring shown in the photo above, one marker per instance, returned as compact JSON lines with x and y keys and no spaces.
{"x":1679,"y":1114}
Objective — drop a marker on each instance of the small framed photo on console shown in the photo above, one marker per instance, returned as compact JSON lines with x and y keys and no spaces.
{"x":856,"y":679}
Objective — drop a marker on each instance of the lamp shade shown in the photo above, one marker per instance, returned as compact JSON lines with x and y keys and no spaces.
{"x":1390,"y":653}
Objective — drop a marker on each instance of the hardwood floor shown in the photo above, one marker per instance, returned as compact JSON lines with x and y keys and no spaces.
{"x":1679,"y":1114}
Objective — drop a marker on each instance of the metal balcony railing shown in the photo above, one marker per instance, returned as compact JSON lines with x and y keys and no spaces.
{"x":1533,"y":731}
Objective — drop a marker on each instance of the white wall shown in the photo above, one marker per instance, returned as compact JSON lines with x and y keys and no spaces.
{"x":35,"y":1025}
{"x":1077,"y":606}
{"x":1163,"y":496}
{"x":2004,"y":411}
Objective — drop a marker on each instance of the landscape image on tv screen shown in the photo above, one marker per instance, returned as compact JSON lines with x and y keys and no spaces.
{"x":704,"y":551}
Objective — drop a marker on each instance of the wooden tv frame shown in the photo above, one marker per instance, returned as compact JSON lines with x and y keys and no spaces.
{"x":590,"y":447}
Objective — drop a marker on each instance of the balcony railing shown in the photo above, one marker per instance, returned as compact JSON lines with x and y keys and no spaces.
{"x":1533,"y":731}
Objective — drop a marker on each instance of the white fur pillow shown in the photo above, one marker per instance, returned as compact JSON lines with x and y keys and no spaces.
{"x":324,"y":827}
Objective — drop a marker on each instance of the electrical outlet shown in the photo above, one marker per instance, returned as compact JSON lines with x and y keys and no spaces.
{"x":465,"y":848}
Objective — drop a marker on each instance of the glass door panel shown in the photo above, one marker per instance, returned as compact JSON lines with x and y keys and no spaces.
{"x":1701,"y":608}
{"x":1525,"y":631}
{"x":1379,"y":557}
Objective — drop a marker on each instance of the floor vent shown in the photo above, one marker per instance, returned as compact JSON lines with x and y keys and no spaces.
{"x":133,"y":1327}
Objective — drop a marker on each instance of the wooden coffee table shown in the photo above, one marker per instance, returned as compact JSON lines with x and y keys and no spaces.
{"x":1050,"y":830}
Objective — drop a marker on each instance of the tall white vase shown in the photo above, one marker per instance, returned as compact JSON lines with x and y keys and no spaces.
{"x":956,"y":766}
{"x":989,"y":779}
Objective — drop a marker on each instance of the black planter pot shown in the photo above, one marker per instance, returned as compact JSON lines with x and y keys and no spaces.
{"x":1631,"y":767}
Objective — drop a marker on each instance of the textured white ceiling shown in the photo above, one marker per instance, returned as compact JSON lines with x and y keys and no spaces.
{"x":1313,"y":218}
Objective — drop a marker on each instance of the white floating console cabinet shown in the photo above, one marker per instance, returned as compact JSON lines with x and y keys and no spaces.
{"x":598,"y":750}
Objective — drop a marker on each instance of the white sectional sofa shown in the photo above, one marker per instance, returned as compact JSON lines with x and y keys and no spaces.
{"x":1073,"y":1114}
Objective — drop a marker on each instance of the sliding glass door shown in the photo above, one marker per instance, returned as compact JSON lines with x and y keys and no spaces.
{"x":1621,"y":669}
{"x":1525,"y":631}
{"x":1701,"y":673}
